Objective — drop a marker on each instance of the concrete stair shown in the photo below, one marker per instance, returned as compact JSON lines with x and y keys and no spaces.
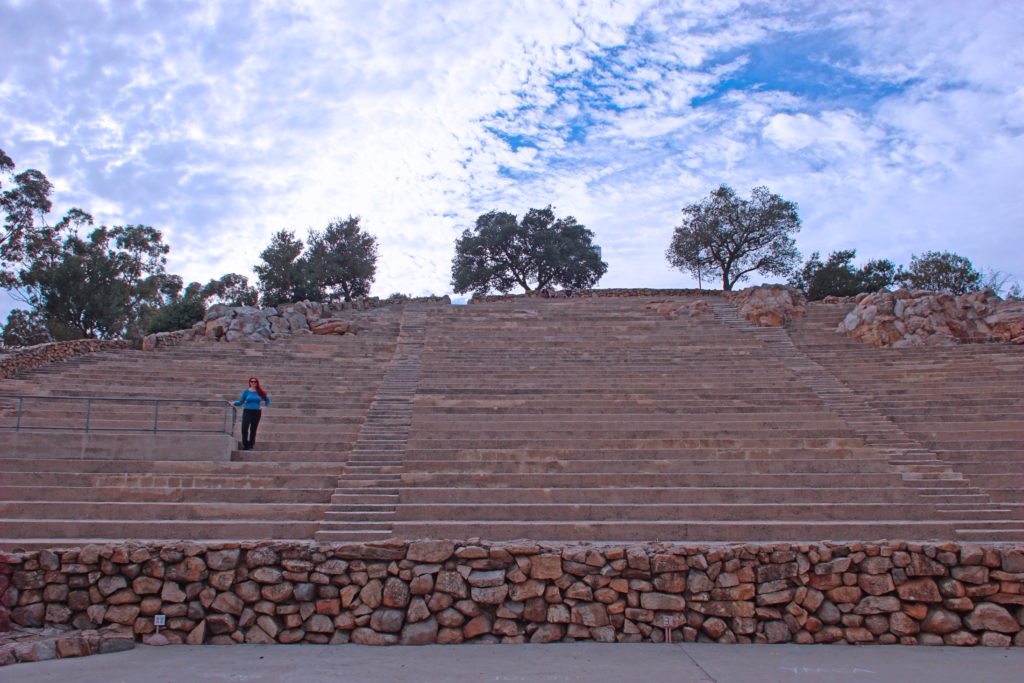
{"x":601,"y":420}
{"x":320,"y":389}
{"x":588,"y":419}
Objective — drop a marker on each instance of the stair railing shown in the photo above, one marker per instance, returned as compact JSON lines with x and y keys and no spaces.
{"x":86,"y":425}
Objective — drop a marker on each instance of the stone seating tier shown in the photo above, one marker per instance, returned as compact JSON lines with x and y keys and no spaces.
{"x":584,"y":419}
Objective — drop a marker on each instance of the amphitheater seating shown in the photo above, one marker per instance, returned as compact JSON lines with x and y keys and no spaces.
{"x":320,"y":389}
{"x":594,"y":419}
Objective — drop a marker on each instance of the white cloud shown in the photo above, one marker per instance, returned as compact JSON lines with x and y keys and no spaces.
{"x":222,"y":123}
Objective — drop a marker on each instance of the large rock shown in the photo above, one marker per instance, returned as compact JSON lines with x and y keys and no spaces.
{"x":920,"y":317}
{"x":769,"y":305}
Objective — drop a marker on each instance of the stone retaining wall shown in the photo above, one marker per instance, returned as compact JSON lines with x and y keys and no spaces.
{"x":30,"y":357}
{"x":439,"y":591}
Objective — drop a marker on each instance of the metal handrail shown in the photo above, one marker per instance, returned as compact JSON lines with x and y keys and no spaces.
{"x":156,"y":413}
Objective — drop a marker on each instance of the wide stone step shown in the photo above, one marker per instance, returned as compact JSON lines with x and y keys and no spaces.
{"x":165,"y":494}
{"x":150,"y":510}
{"x":676,"y":530}
{"x":68,"y":528}
{"x":142,"y":479}
{"x":613,"y":480}
{"x":629,"y":466}
{"x":606,"y":512}
{"x":641,"y":495}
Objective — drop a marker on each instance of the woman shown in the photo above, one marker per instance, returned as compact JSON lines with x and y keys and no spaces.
{"x":251,"y":398}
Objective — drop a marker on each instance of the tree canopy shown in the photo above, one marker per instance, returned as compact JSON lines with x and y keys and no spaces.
{"x":342,"y":260}
{"x":941,"y":271}
{"x":80,"y":281}
{"x":839,"y":277}
{"x":724,"y":235}
{"x":536,"y":252}
{"x":338,"y":262}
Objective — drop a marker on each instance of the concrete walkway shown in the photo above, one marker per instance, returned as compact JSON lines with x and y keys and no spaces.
{"x":591,"y":662}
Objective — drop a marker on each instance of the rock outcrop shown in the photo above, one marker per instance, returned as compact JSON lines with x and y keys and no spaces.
{"x":769,"y":305}
{"x":247,"y":323}
{"x":916,"y":317}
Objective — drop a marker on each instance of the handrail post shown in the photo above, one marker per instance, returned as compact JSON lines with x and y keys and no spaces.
{"x":234,"y":419}
{"x":21,"y":402}
{"x":88,"y":412}
{"x":224,"y":412}
{"x":156,"y":412}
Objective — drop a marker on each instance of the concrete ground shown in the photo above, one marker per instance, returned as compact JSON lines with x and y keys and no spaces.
{"x":591,"y":662}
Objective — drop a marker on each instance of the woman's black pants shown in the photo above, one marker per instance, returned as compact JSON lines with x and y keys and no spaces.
{"x":250,"y":421}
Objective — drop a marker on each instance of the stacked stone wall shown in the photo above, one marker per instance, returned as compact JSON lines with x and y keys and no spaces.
{"x":438,"y":591}
{"x":29,"y":357}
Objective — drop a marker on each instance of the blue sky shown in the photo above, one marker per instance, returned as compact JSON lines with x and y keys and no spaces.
{"x":897,"y":127}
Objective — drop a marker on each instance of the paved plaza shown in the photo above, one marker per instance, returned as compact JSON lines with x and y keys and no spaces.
{"x":591,"y":662}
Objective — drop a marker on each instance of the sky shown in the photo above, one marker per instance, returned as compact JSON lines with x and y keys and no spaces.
{"x":896,"y":126}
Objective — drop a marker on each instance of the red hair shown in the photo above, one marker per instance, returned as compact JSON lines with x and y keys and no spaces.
{"x":259,"y":389}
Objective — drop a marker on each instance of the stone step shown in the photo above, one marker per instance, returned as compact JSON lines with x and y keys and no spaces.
{"x":167,"y":494}
{"x":676,"y":531}
{"x":171,"y":529}
{"x":150,"y":510}
{"x":531,"y":512}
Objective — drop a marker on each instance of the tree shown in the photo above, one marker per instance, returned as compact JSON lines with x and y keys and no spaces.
{"x":342,"y":260}
{"x":180,"y":314}
{"x":104,"y":285}
{"x":23,"y":204}
{"x":282,"y":275}
{"x":101,"y":286}
{"x":25,"y":328}
{"x":839,"y":277}
{"x":731,"y":237}
{"x":231,"y":289}
{"x":943,"y":271}
{"x":536,"y":252}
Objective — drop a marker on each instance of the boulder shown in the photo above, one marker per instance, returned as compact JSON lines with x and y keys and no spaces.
{"x":921,"y":317}
{"x":769,"y":305}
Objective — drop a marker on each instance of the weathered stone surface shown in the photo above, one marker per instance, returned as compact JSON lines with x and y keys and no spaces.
{"x":663,"y":601}
{"x":387,"y":620}
{"x":222,"y":560}
{"x":489,"y":596}
{"x":878,"y":604}
{"x":228,"y":603}
{"x":907,"y":318}
{"x":477,"y":626}
{"x":589,"y":614}
{"x":546,"y":566}
{"x":367,"y":636}
{"x":419,"y":633}
{"x":452,"y":583}
{"x":395,"y":593}
{"x":920,"y":590}
{"x":940,"y":621}
{"x":991,"y":617}
{"x":769,"y":305}
{"x":430,"y":551}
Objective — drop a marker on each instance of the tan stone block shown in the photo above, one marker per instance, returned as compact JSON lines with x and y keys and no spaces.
{"x":589,"y":614}
{"x":940,"y":621}
{"x":477,"y":626}
{"x":547,"y":566}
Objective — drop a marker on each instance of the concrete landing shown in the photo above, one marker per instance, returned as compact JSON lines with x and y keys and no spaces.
{"x":591,"y":662}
